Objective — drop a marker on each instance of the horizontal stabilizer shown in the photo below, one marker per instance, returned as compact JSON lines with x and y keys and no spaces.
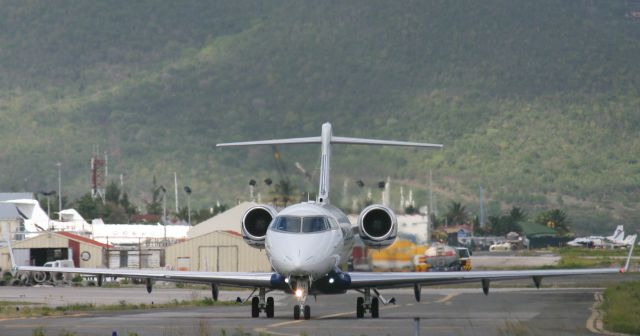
{"x":310,"y":140}
{"x":333,"y":140}
{"x":360,"y":141}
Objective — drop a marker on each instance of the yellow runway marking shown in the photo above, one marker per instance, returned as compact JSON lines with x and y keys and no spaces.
{"x":448,"y":297}
{"x":286,"y":323}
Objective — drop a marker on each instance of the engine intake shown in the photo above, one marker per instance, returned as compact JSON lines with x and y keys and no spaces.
{"x":255,"y":223}
{"x":378,"y":226}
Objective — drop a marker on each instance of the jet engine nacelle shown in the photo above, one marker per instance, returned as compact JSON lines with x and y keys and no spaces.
{"x":378,"y":226}
{"x":255,"y":223}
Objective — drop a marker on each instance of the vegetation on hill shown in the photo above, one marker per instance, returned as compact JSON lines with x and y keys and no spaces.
{"x":535,"y":101}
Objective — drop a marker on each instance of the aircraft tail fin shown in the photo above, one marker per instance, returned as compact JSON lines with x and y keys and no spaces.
{"x":631,"y":239}
{"x":618,"y":234}
{"x":326,"y":140}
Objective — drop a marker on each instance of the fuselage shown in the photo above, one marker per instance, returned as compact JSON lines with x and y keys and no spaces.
{"x":308,"y":240}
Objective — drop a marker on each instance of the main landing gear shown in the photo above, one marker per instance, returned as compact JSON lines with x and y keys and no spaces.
{"x":259,"y":304}
{"x":367,"y":303}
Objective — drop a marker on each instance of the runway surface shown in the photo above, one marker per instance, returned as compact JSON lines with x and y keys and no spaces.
{"x":457,"y":311}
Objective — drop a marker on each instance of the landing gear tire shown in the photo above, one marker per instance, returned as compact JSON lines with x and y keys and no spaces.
{"x":255,"y":307}
{"x":270,"y":307}
{"x":296,"y":312}
{"x":374,"y":308}
{"x":307,"y":312}
{"x":360,"y":307}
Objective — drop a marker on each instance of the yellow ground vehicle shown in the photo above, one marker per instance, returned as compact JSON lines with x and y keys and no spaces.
{"x":397,"y":257}
{"x":465,"y":258}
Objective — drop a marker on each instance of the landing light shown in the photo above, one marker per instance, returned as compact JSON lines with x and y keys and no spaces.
{"x":331,"y":280}
{"x":298,"y":293}
{"x":286,"y":280}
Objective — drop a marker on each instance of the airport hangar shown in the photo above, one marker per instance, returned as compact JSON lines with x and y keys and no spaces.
{"x":214,"y":245}
{"x":50,"y":246}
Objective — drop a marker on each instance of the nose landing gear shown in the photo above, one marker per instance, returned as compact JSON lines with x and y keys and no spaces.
{"x":301,"y":291}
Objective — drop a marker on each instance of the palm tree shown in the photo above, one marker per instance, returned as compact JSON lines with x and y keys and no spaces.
{"x":556,"y":219}
{"x":457,"y":214}
{"x":285,"y":191}
{"x":517,"y":215}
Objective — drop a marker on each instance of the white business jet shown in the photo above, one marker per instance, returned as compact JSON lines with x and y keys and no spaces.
{"x":307,"y":242}
{"x":613,"y":241}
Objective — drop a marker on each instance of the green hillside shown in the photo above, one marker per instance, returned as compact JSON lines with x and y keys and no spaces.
{"x":538,"y":102}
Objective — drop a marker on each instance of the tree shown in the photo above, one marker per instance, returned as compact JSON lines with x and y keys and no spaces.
{"x":87,"y":206}
{"x":517,"y":215}
{"x":154,"y":207}
{"x":112,"y":194}
{"x":556,"y":219}
{"x":456,"y":214}
{"x":128,"y":207}
{"x":285,"y":191}
{"x":435,"y":221}
{"x":501,"y":225}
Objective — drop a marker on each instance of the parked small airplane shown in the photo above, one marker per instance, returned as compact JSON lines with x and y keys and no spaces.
{"x":615,"y":240}
{"x":306,"y":243}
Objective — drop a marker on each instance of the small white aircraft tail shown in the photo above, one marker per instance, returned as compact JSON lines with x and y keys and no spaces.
{"x":630,"y":240}
{"x":31,"y":212}
{"x":618,"y":234}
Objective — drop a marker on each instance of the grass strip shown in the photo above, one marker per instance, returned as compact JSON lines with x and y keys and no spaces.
{"x":21,"y":309}
{"x":622,"y":307}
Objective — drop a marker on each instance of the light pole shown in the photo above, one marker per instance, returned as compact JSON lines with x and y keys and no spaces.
{"x":48,"y":194}
{"x":187,"y":189}
{"x":59,"y":165}
{"x":268,"y":181}
{"x":381,"y":185}
{"x":164,"y":212}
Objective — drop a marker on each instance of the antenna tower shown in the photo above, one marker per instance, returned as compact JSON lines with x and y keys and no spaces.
{"x":98,"y":168}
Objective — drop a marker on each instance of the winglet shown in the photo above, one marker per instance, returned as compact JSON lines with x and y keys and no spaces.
{"x":626,"y":266}
{"x":14,"y":266}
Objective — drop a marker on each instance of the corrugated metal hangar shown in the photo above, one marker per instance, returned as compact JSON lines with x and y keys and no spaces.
{"x":218,"y":251}
{"x":51,"y":246}
{"x":215,"y":246}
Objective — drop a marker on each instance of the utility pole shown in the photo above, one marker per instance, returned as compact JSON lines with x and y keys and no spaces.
{"x":164,"y":213}
{"x":175,"y":181}
{"x":59,"y":165}
{"x":483,"y":214}
{"x":433,"y":201}
{"x":187,"y":189}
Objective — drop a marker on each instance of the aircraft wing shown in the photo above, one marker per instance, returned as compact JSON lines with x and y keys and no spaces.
{"x":234,"y":279}
{"x":403,"y":279}
{"x":398,"y":279}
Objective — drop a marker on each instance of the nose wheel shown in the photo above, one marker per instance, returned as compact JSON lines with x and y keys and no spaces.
{"x":367,"y":303}
{"x":305,"y":310}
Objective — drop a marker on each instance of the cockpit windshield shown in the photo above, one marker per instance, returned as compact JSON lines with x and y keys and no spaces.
{"x":287,"y":224}
{"x":304,"y":224}
{"x":314,"y":224}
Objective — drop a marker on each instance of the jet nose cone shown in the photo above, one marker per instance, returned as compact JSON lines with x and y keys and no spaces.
{"x":301,"y":263}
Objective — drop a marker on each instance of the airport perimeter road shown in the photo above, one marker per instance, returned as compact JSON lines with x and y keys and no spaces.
{"x":460,"y":311}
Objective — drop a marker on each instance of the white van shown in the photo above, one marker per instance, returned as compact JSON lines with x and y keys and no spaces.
{"x":60,"y":263}
{"x":500,"y":247}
